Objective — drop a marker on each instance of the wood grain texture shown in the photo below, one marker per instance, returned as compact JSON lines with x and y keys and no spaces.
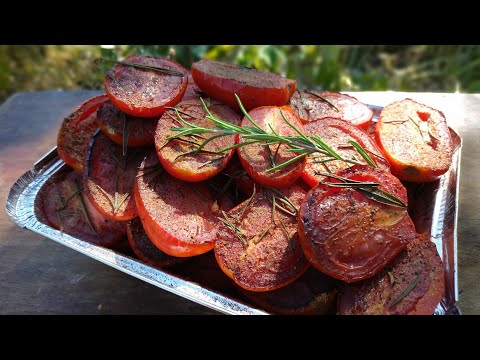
{"x":40,"y":276}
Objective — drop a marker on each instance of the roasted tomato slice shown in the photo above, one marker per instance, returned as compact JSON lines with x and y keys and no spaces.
{"x":338,"y":134}
{"x":109,"y":176}
{"x":258,"y":158}
{"x":76,"y":131}
{"x":257,"y":242}
{"x":255,"y":88}
{"x":313,"y":293}
{"x":180,"y":219}
{"x":243,"y":182}
{"x":144,"y":248}
{"x":144,"y":92}
{"x":312,"y":105}
{"x":68,"y":209}
{"x":412,"y":284}
{"x":123,"y":128}
{"x":349,"y":236}
{"x":178,"y":156}
{"x":415,"y":139}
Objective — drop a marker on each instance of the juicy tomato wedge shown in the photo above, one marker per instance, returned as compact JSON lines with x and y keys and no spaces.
{"x":415,"y":139}
{"x":144,"y":248}
{"x":257,"y":243}
{"x":177,"y":156}
{"x":255,"y":88}
{"x":412,"y":284}
{"x":144,"y":92}
{"x":258,"y":158}
{"x":349,"y":236}
{"x":312,"y":105}
{"x":313,"y":293}
{"x":337,"y":134}
{"x":180,"y":219}
{"x":68,"y":209}
{"x":109,"y":176}
{"x":76,"y":131}
{"x":121,"y":127}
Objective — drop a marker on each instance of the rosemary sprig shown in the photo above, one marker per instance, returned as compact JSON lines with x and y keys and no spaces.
{"x":146,"y":67}
{"x":229,"y":224}
{"x":289,"y":239}
{"x":83,"y":208}
{"x":407,"y":290}
{"x":363,"y":153}
{"x":323,"y":99}
{"x":370,"y":190}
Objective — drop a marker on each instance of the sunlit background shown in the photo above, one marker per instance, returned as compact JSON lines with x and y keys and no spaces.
{"x":435,"y":68}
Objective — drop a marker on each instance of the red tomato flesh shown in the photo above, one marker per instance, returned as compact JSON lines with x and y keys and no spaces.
{"x":348,"y":236}
{"x":176,"y":155}
{"x":269,"y":258}
{"x":312,"y":105}
{"x":144,"y":248}
{"x":113,"y":122}
{"x":76,"y":130}
{"x":180,"y":219}
{"x":255,"y":88}
{"x":142,"y":92}
{"x":419,"y":148}
{"x":418,"y":268}
{"x":109,"y":177}
{"x":69,"y":210}
{"x":337,"y":134}
{"x":258,"y":158}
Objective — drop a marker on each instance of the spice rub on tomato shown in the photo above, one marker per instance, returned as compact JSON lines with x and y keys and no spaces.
{"x":125,"y":129}
{"x":415,"y":139}
{"x":179,"y":218}
{"x":144,"y":248}
{"x":109,"y":175}
{"x":68,"y":209}
{"x":255,"y":88}
{"x":257,"y":242}
{"x":339,"y":134}
{"x":412,"y":284}
{"x":258,"y":158}
{"x":145,"y":92}
{"x":350,"y":236}
{"x":178,"y":156}
{"x":313,"y":293}
{"x":76,"y":130}
{"x":312,"y":105}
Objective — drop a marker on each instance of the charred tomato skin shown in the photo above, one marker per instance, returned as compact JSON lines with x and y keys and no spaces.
{"x":156,"y":90}
{"x":348,"y":236}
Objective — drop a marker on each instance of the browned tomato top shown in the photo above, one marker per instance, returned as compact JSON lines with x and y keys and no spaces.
{"x":255,"y":88}
{"x":258,"y":158}
{"x":142,"y":92}
{"x":313,"y":293}
{"x":337,"y":134}
{"x":177,"y":156}
{"x":121,"y":127}
{"x":109,"y":176}
{"x":312,"y":105}
{"x":68,"y":209}
{"x":415,"y":139}
{"x":144,"y":248}
{"x":269,"y":256}
{"x":76,"y":130}
{"x":413,"y":283}
{"x":180,"y":219}
{"x":349,"y":236}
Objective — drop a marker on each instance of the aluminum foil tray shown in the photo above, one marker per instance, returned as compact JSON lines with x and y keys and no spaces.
{"x":433,"y":208}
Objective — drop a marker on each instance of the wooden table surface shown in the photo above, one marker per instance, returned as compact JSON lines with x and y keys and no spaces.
{"x":40,"y":276}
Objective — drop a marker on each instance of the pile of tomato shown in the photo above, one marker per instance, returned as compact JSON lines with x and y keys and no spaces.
{"x":296,"y":229}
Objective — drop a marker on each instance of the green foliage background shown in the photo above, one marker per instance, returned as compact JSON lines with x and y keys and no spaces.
{"x":437,"y":68}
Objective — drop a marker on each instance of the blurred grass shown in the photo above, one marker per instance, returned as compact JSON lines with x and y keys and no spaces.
{"x":435,"y":68}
